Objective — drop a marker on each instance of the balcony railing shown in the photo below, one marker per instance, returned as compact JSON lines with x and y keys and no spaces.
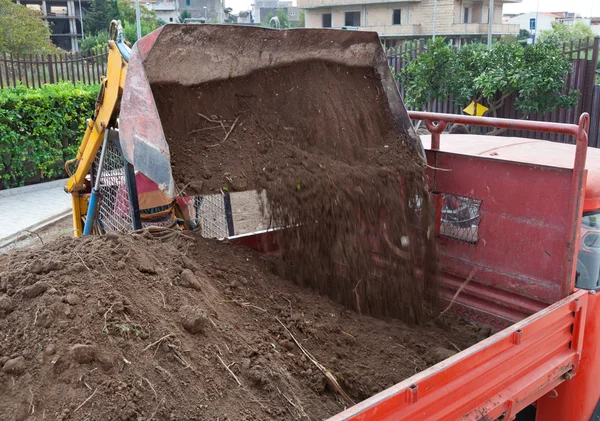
{"x":482,"y":28}
{"x":164,"y":6}
{"x":384,"y":30}
{"x":309,"y":4}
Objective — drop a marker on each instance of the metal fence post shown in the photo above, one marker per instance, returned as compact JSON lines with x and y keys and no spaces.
{"x":50,"y":70}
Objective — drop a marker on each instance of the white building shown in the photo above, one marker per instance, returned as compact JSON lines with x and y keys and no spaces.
{"x":533,"y":21}
{"x":165,"y":10}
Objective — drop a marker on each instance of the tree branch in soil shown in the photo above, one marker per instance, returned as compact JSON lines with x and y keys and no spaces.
{"x":80,"y":258}
{"x":31,"y":406}
{"x":210,"y":120}
{"x":227,"y":135}
{"x":462,"y":286}
{"x":330,"y":377}
{"x":157,"y":342}
{"x":229,"y":370}
{"x":86,"y":401}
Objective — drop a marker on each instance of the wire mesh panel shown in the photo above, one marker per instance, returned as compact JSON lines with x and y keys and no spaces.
{"x":211,"y":216}
{"x":114,"y":213}
{"x":460,"y":218}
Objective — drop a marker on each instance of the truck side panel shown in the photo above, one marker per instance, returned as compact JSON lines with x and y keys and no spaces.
{"x":579,"y":398}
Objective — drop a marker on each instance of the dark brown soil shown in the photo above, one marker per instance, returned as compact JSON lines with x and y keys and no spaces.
{"x":319,"y":138}
{"x":285,"y":117}
{"x":129,"y":328}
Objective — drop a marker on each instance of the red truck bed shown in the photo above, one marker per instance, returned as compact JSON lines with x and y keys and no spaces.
{"x":518,"y":252}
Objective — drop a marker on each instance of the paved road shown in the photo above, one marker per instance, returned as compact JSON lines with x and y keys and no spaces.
{"x":26,"y":208}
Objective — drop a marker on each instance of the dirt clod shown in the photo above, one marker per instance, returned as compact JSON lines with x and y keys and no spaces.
{"x":6,"y":304}
{"x":82,"y":354}
{"x":15,"y":366}
{"x":36,"y":289}
{"x":45,"y":318}
{"x":72,"y":299}
{"x":193,"y":319}
{"x":188,"y":279}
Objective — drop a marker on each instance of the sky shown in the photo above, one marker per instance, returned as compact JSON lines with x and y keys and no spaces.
{"x":583,"y":7}
{"x":240,"y":5}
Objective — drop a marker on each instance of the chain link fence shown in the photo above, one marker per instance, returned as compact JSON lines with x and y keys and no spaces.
{"x":115,"y":212}
{"x":460,"y":218}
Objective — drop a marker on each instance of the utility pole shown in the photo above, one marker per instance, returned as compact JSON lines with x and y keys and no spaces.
{"x":137,"y":19}
{"x":81,"y":19}
{"x":434,"y":16}
{"x":490,"y":24}
{"x":537,"y":18}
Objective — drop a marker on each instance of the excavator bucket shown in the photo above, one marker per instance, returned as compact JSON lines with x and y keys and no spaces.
{"x":193,"y":55}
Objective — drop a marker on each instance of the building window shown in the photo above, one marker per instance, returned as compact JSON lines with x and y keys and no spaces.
{"x":170,"y":19}
{"x":187,"y":3}
{"x":467,"y":15}
{"x":326,"y":20}
{"x":352,"y":19}
{"x":397,"y":17}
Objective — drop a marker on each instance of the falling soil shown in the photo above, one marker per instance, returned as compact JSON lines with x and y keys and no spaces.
{"x":129,"y":328}
{"x":320,"y":140}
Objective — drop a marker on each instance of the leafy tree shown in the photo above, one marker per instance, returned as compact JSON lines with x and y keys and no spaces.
{"x":98,"y":17}
{"x":92,"y":42}
{"x":536,"y":75}
{"x":185,"y":14}
{"x":281,"y":15}
{"x":283,"y":18}
{"x":421,"y":77}
{"x":302,"y":19}
{"x":22,"y":30}
{"x":148,"y":20}
{"x":523,"y":33}
{"x":561,"y":33}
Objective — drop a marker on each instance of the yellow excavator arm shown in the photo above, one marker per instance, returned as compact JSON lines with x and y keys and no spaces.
{"x":105,"y":117}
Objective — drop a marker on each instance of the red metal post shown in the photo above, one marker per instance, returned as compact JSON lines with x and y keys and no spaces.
{"x":576,"y":201}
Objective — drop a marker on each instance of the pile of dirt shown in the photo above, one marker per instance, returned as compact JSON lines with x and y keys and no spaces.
{"x":129,"y":328}
{"x":319,"y":138}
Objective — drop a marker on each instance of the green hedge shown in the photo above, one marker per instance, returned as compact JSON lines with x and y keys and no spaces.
{"x":40,"y":129}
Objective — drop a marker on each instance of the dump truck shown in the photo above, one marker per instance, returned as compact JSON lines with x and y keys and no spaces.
{"x":516,"y":219}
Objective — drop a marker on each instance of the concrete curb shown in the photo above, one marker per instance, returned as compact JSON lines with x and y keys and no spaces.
{"x":16,"y":191}
{"x":20,"y":235}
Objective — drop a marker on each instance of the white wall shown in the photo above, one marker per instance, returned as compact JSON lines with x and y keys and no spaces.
{"x":544,"y":21}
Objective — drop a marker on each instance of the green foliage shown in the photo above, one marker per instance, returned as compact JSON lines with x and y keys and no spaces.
{"x":281,"y":15}
{"x":98,"y":17}
{"x":148,"y":20}
{"x":542,"y":78}
{"x":302,"y":19}
{"x":185,"y":14}
{"x":22,"y":30}
{"x":536,"y":75}
{"x":561,"y":33}
{"x":422,"y":78}
{"x":93,"y":42}
{"x":40,"y":128}
{"x":97,"y":20}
